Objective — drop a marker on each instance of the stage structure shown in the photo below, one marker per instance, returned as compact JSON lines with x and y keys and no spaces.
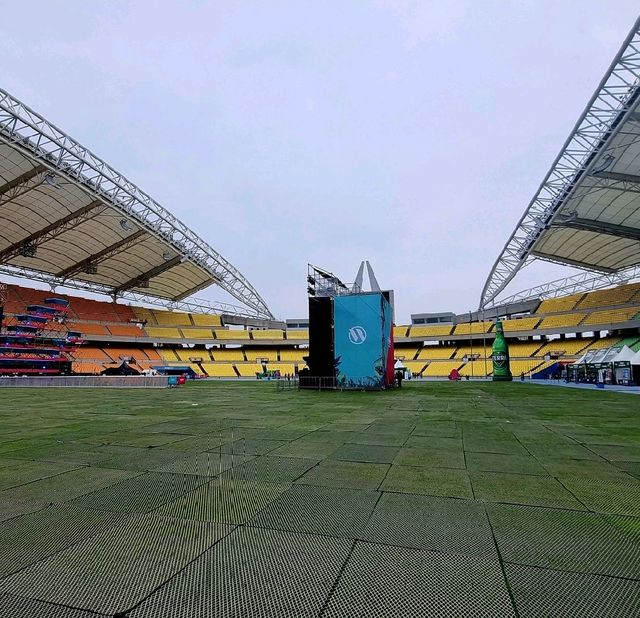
{"x":350,"y":333}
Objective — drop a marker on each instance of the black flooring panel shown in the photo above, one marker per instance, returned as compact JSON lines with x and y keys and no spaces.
{"x":253,"y":572}
{"x":427,"y":522}
{"x":118,"y":568}
{"x":35,"y":536}
{"x":141,"y":494}
{"x":403,"y":582}
{"x":231,"y":501}
{"x":270,"y":469}
{"x":566,"y":540}
{"x":542,"y":593}
{"x":319,"y":510}
{"x":368,"y":453}
{"x":20,"y":607}
{"x":65,"y":486}
{"x":606,"y":496}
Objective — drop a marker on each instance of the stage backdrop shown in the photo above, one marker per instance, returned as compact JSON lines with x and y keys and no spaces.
{"x":362,"y":339}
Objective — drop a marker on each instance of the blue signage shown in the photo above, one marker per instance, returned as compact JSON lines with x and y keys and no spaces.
{"x":360,"y":322}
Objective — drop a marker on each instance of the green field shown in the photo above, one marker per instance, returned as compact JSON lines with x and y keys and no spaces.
{"x":218,"y":499}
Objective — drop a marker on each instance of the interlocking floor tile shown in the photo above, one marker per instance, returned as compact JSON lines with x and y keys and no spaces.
{"x":319,"y":510}
{"x":522,"y":489}
{"x":424,"y":522}
{"x":541,"y":593}
{"x":431,"y":481}
{"x":367,"y":453}
{"x":270,"y":469}
{"x":224,"y":501}
{"x":566,"y":540}
{"x":331,"y":473}
{"x":396,"y":581}
{"x":34,"y":536}
{"x":141,"y":494}
{"x":118,"y":568}
{"x":253,"y":572}
{"x":20,"y":607}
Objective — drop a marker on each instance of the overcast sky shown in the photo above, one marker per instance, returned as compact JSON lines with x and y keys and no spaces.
{"x":411,"y":134}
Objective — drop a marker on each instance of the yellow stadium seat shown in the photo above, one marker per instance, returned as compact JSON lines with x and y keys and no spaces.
{"x":612,"y":316}
{"x":472,"y":328}
{"x":231,"y":334}
{"x":477,"y":368}
{"x":248,"y":370}
{"x":253,"y":354}
{"x":144,"y":315}
{"x":604,"y":342}
{"x":298,"y":334}
{"x":197,"y":333}
{"x":186,"y":354}
{"x":620,"y":295}
{"x":567,"y":347}
{"x":267,"y":333}
{"x":293,"y":355}
{"x":434,"y":352}
{"x":171,"y":318}
{"x":227,"y":354}
{"x":168,"y":354}
{"x":562,"y":321}
{"x":414,"y":366}
{"x":524,"y":349}
{"x":201,"y":319}
{"x":435,"y":330}
{"x":220,"y":370}
{"x":162,"y":333}
{"x":405,"y":352}
{"x":284,"y":368}
{"x":440,"y":369}
{"x":520,"y":324}
{"x":478,"y":349}
{"x":400,"y":331}
{"x":519,"y":367}
{"x":555,"y":305}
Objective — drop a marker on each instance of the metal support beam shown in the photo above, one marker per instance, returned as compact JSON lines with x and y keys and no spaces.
{"x":51,"y":231}
{"x":589,"y":225}
{"x":618,"y":176}
{"x":194,"y":290}
{"x":22,"y":184}
{"x":33,"y":136}
{"x":612,"y":103}
{"x":106,"y":253}
{"x":581,"y":282}
{"x":145,"y":277}
{"x":194,"y":305}
{"x":576,"y":263}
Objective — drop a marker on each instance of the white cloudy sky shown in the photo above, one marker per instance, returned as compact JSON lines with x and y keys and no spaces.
{"x":412,"y":134}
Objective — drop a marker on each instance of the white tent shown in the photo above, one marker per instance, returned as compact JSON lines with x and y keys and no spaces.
{"x":636,"y":358}
{"x":626,"y":354}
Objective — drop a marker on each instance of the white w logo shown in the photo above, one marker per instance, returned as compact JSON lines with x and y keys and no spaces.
{"x":357,"y":335}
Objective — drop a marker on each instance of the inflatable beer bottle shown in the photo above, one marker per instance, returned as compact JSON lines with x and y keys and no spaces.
{"x":501,"y":371}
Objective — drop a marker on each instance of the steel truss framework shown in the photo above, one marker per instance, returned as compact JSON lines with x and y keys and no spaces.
{"x":54,"y":151}
{"x":196,"y":305}
{"x":582,"y":282}
{"x":611,"y":104}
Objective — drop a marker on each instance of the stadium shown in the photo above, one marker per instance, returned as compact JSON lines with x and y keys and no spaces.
{"x":236,"y":493}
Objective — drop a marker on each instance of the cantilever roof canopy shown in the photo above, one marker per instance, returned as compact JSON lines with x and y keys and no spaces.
{"x":586,"y":212}
{"x":67,"y":218}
